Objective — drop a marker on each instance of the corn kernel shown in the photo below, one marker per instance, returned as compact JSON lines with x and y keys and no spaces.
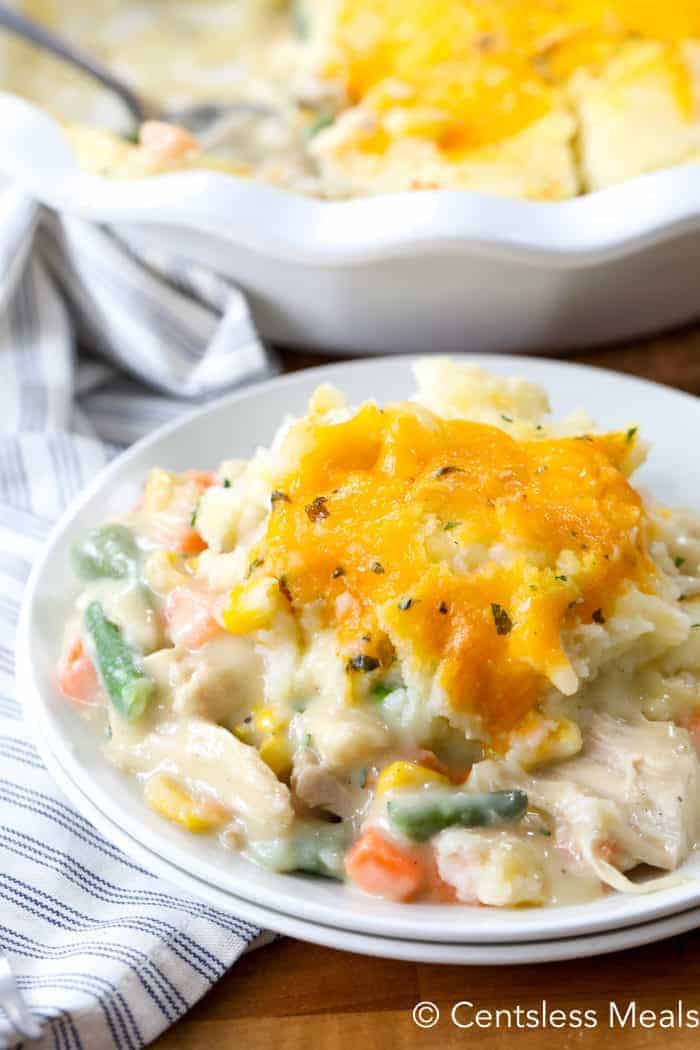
{"x":565,"y":741}
{"x":245,"y":732}
{"x":251,"y":606}
{"x":275,"y":753}
{"x":164,"y":795}
{"x":162,"y":571}
{"x":405,"y":776}
{"x":158,"y":491}
{"x":538,"y":740}
{"x":267,"y":720}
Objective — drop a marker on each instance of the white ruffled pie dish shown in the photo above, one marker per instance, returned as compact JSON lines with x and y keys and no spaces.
{"x":441,"y":270}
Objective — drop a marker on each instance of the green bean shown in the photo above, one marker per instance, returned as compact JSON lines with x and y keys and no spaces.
{"x":318,"y":849}
{"x":118,"y":664}
{"x":380,"y":691}
{"x":421,"y":818}
{"x":314,"y":847}
{"x":109,"y":550}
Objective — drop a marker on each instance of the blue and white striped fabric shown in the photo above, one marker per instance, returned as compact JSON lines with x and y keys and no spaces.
{"x":106,"y":954}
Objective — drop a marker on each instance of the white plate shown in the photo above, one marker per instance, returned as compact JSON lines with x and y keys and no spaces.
{"x":445,"y":270}
{"x":343,"y":940}
{"x":233,"y":427}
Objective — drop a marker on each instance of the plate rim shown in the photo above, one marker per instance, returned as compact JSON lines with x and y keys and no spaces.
{"x":667,"y":902}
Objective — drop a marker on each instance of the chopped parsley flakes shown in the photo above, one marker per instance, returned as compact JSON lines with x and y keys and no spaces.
{"x":380,"y":691}
{"x":362,"y":662}
{"x":504,"y":624}
{"x":284,"y":588}
{"x":317,"y":509}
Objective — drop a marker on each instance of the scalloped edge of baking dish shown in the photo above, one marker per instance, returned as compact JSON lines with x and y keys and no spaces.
{"x":582,"y":231}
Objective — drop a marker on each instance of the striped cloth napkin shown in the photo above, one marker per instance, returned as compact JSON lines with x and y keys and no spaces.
{"x":106,"y":954}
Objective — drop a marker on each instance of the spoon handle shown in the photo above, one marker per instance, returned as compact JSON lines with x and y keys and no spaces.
{"x":44,"y":38}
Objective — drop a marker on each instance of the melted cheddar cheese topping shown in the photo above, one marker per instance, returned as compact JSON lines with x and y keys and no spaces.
{"x":469,"y":73}
{"x":457,"y":547}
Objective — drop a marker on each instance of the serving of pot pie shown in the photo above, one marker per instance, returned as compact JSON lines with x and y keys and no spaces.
{"x":443,"y":649}
{"x":538,"y":100}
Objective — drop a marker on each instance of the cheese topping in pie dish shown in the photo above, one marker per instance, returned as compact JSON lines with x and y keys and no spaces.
{"x":442,"y":649}
{"x":540,"y":100}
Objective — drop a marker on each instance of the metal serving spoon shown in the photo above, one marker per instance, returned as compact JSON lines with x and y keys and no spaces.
{"x":211,"y":122}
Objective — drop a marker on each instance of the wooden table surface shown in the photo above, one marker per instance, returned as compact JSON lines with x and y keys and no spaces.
{"x":295,"y":996}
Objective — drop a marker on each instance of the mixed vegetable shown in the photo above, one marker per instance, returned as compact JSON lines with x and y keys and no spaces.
{"x":108,"y":551}
{"x":419,"y":819}
{"x":402,"y":805}
{"x":118,"y":665}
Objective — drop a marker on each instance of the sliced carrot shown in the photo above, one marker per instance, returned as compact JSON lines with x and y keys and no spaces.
{"x":430,"y":759}
{"x":189,"y":615}
{"x":171,"y":502}
{"x":189,"y":541}
{"x":168,"y":141}
{"x":77,"y":677}
{"x":175,"y":535}
{"x":203,"y":479}
{"x":384,"y":868}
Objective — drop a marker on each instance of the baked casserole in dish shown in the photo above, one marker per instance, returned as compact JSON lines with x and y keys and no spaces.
{"x":536,"y":100}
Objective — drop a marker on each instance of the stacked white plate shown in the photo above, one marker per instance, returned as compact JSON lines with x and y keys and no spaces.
{"x":319,"y":910}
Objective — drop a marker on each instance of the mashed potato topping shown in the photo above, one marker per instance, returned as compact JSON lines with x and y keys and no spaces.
{"x":540,"y":100}
{"x":466,"y":550}
{"x":441,"y":648}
